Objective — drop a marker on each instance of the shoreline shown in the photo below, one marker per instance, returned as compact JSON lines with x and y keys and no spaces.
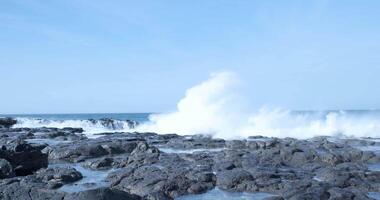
{"x":153,"y":166}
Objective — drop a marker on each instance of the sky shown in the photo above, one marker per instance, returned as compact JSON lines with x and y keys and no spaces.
{"x":91,"y":56}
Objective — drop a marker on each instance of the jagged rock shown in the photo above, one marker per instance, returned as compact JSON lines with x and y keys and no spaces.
{"x":6,"y":170}
{"x":102,"y":194}
{"x":24,"y":158}
{"x":58,"y":176}
{"x":7,"y":122}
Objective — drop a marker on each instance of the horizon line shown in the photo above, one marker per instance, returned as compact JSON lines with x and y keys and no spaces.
{"x":94,"y":113}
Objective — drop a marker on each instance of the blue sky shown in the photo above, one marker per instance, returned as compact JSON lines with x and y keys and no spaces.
{"x":65,"y":56}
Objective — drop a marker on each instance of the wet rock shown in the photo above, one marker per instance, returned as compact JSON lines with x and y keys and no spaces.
{"x":7,"y":122}
{"x":58,"y":176}
{"x":273,"y":198}
{"x":6,"y":170}
{"x":114,"y":124}
{"x":318,"y":168}
{"x":92,"y":148}
{"x":236,"y":180}
{"x":102,"y":194}
{"x":27,"y":188}
{"x":103,"y":163}
{"x":152,"y":174}
{"x":24,"y":158}
{"x":194,"y":142}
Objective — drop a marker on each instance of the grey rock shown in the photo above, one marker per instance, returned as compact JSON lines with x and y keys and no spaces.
{"x":6,"y":169}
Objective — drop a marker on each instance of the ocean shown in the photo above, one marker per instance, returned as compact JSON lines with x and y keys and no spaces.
{"x":274,"y":123}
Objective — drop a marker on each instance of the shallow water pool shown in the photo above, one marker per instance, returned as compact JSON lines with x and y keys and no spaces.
{"x":189,"y":151}
{"x":92,"y":179}
{"x":218,"y":194}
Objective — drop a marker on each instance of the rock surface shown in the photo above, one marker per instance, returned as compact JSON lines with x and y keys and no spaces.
{"x":7,"y":122}
{"x":24,"y":158}
{"x":137,"y":167}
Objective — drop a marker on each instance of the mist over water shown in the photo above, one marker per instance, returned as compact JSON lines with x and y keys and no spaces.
{"x":215,"y":107}
{"x":212,"y":107}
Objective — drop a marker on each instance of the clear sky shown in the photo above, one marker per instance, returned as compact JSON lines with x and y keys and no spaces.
{"x":63,"y":56}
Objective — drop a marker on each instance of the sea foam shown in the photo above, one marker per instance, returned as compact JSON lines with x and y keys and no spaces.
{"x":215,"y":107}
{"x":90,"y":127}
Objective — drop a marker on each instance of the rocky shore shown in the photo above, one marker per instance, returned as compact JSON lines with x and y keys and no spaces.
{"x":51,"y":163}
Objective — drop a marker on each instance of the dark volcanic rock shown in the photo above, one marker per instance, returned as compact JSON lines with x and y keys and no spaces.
{"x":57,"y":176}
{"x":194,"y":142}
{"x":318,"y":168}
{"x":102,"y":163}
{"x":155,"y":175}
{"x":7,"y":122}
{"x":24,"y":158}
{"x":6,"y":169}
{"x":27,"y":188}
{"x":30,"y":189}
{"x":92,"y":148}
{"x":102,"y":194}
{"x":236,"y":179}
{"x":114,"y":124}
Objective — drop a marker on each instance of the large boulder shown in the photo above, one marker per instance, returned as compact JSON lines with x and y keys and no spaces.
{"x":114,"y":124}
{"x":6,"y":169}
{"x":27,"y":188}
{"x":236,"y":179}
{"x":92,"y":148}
{"x":58,"y":176}
{"x":102,"y":194}
{"x":155,"y":175}
{"x":7,"y":122}
{"x":24,"y":158}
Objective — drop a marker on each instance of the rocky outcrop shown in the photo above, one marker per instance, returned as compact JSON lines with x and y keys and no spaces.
{"x":156,"y":175}
{"x":92,"y":148}
{"x":102,"y":194}
{"x":139,"y":167}
{"x":6,"y":169}
{"x":7,"y":122}
{"x":24,"y":158}
{"x":58,"y":176}
{"x":115,"y":124}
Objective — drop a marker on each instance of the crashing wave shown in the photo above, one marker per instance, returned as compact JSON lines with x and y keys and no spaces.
{"x":214,"y":107}
{"x":90,"y":126}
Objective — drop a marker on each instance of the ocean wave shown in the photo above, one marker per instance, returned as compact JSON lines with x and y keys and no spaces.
{"x":214,"y":107}
{"x":90,"y":126}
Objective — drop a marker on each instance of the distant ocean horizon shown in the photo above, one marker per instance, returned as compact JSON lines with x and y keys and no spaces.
{"x":139,"y":117}
{"x":143,"y":116}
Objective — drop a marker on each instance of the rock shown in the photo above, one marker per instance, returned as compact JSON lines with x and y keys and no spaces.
{"x":7,"y":122}
{"x":193,"y":142}
{"x":102,"y":163}
{"x":236,"y":180}
{"x":273,"y":198}
{"x":156,"y":174}
{"x":317,"y":168}
{"x":6,"y":170}
{"x":58,"y":176}
{"x":24,"y":158}
{"x":102,"y":194}
{"x":92,"y":148}
{"x":115,"y":124}
{"x":27,"y":188}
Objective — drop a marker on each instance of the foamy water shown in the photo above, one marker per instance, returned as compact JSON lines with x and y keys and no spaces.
{"x":215,"y":107}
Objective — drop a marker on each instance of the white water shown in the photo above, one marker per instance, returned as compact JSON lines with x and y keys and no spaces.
{"x":214,"y":107}
{"x":88,"y":126}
